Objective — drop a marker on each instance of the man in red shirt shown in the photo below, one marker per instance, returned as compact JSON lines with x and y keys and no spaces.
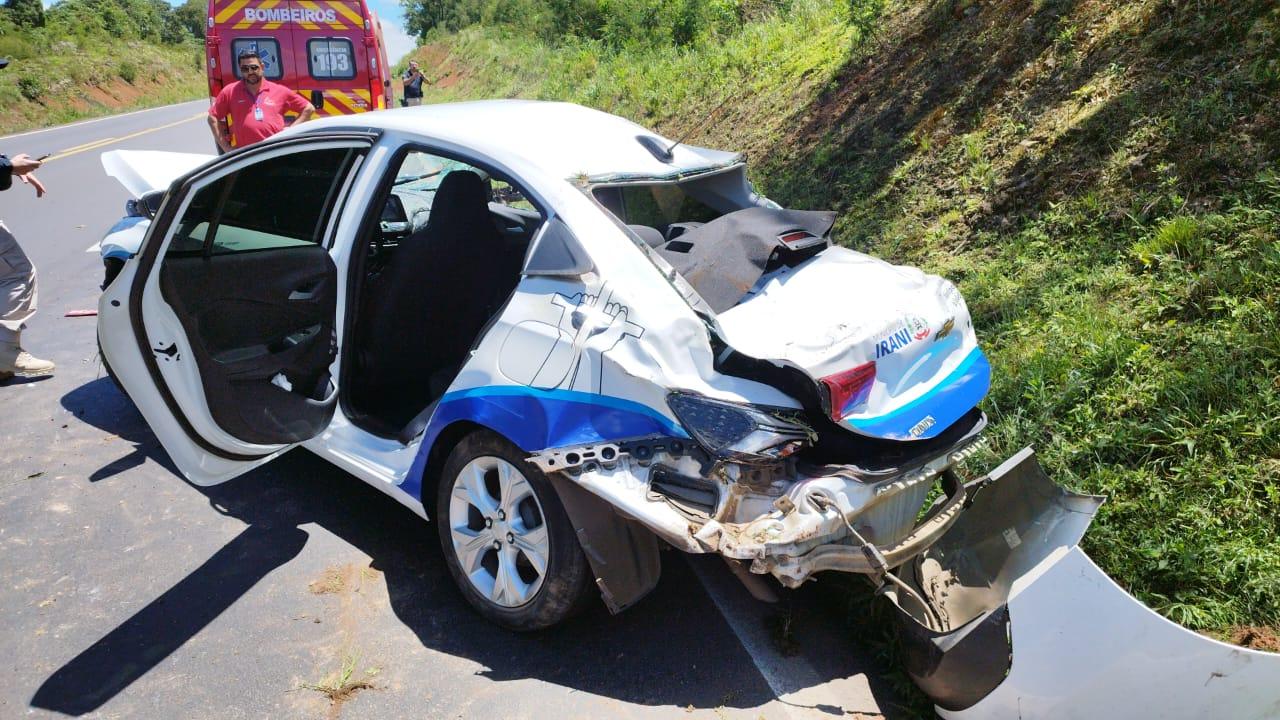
{"x":256,"y":106}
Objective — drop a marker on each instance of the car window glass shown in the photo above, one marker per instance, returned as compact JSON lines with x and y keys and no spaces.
{"x":656,"y":205}
{"x":504,"y":193}
{"x":191,"y":230}
{"x":417,"y":180}
{"x":268,"y":51}
{"x":331,"y":58}
{"x":283,"y":201}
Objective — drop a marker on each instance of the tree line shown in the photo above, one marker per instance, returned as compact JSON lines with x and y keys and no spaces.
{"x":150,"y":20}
{"x":615,"y":23}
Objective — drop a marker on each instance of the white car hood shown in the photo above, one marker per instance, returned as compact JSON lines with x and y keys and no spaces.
{"x":142,"y":171}
{"x":843,"y":309}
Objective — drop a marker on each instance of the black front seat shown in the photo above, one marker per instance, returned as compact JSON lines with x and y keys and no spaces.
{"x":436,"y":294}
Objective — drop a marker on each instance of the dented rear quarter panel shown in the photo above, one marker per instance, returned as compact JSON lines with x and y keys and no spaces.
{"x":589,"y":358}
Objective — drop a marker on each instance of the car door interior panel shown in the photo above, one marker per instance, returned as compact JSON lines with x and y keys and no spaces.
{"x":249,"y":276}
{"x":261,"y":327}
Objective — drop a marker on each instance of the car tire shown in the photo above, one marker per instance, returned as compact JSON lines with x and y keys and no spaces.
{"x":488,"y":493}
{"x":111,"y":267}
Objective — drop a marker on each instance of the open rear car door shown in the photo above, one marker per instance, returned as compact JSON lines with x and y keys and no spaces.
{"x":222,"y":329}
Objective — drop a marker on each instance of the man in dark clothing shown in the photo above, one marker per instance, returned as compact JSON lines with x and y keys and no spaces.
{"x":413,"y":80}
{"x":17,"y":282}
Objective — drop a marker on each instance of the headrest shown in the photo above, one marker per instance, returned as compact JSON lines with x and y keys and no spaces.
{"x":649,"y":235}
{"x":462,"y":195}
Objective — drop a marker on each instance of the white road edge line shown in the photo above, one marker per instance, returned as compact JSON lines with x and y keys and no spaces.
{"x":94,"y":120}
{"x":794,"y":682}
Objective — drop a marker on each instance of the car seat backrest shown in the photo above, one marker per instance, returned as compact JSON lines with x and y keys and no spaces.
{"x":436,"y":290}
{"x":461,"y":202}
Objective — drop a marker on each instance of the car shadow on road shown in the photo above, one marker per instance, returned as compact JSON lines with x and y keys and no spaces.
{"x":101,"y":404}
{"x":672,"y":649}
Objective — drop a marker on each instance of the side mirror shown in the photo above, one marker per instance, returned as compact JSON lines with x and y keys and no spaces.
{"x":150,"y":203}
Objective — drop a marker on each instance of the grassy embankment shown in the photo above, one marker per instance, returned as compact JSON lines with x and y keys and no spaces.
{"x":53,"y":80}
{"x":1100,"y":179}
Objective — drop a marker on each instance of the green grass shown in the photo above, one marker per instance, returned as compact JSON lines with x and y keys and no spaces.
{"x":758,"y":73}
{"x":1101,"y":179}
{"x":58,"y":80}
{"x":343,"y":684}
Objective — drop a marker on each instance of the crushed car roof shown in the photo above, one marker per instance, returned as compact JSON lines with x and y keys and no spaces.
{"x":564,"y":139}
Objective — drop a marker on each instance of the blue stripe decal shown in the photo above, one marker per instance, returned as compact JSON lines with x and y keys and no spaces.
{"x":536,"y":419}
{"x":946,"y":402}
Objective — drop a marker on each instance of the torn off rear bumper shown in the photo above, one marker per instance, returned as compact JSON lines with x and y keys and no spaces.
{"x":1006,"y":617}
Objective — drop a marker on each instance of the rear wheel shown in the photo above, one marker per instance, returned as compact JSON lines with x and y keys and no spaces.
{"x":506,"y":538}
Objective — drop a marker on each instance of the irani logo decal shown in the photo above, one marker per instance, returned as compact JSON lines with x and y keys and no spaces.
{"x":919,"y":328}
{"x":895,"y":342}
{"x":913,"y":329}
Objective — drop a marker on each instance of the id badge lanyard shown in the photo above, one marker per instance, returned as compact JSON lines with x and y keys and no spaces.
{"x":257,"y":106}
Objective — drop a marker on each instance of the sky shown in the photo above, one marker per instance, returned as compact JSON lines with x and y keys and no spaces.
{"x":399,"y":42}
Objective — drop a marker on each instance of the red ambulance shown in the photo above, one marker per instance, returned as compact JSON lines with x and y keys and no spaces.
{"x":330,"y":51}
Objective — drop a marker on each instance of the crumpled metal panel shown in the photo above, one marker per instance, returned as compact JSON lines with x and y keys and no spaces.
{"x":1024,"y":625}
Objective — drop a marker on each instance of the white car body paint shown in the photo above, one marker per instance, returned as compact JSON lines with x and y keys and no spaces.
{"x":115,"y":334}
{"x":380,"y":462}
{"x":144,"y":171}
{"x":914,"y":326}
{"x":1083,"y":649}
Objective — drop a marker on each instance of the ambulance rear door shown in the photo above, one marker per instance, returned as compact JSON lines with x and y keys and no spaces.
{"x":261,"y":25}
{"x":333,"y":61}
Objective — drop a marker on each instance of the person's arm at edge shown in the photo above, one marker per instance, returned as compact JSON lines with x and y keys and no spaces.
{"x":218,"y":123}
{"x":302,"y":106}
{"x":23,"y":167}
{"x":219,"y":129}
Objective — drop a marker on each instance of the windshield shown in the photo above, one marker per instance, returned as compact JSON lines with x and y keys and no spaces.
{"x":417,"y":180}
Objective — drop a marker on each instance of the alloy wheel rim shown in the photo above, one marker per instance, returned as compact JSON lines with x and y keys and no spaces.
{"x":499,"y":532}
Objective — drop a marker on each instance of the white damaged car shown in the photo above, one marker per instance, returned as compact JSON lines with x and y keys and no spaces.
{"x":569,"y":340}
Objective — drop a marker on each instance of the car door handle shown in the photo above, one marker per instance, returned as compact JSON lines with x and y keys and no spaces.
{"x":306,"y":292}
{"x":294,"y":339}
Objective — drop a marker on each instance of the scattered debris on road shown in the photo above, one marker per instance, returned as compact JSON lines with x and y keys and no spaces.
{"x":341,"y":686}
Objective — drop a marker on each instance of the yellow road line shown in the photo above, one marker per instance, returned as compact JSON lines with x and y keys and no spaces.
{"x":77,"y":148}
{"x":107,"y":141}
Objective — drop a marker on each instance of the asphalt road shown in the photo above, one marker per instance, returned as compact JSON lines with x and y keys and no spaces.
{"x":127,"y":592}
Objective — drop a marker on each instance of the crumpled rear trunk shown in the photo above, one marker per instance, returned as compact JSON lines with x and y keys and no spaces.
{"x":843,"y":310}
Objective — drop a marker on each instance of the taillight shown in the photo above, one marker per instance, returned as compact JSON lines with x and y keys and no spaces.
{"x":848,"y":388}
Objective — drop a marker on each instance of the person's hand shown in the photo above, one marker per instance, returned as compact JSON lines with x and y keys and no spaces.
{"x":23,"y":164}
{"x":30,"y":178}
